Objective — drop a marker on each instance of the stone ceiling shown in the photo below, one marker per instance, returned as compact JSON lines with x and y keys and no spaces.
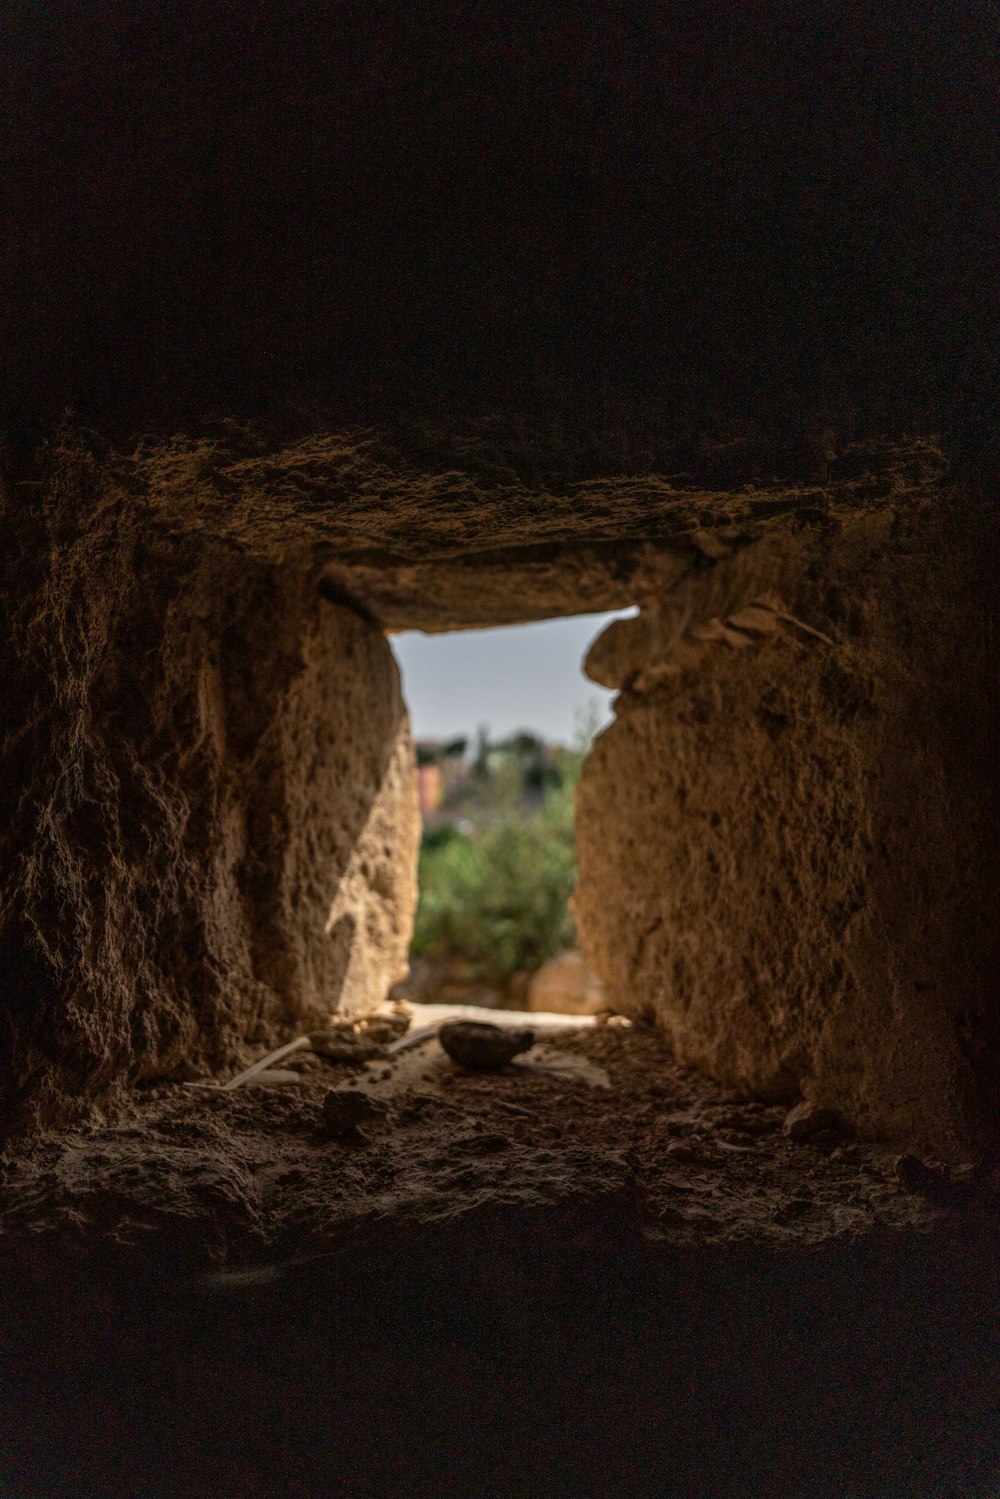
{"x":415,"y":546}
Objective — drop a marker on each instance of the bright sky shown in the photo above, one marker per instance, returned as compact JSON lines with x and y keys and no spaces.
{"x":519,"y":677}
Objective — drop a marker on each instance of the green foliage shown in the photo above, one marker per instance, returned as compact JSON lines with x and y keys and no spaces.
{"x":498,"y":897}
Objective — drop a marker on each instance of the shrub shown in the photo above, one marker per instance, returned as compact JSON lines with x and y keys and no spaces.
{"x":498,"y":898}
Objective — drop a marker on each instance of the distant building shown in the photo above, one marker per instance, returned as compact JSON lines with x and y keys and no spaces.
{"x":441,"y":768}
{"x":429,"y":788}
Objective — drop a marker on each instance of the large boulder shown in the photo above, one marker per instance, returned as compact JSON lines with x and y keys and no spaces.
{"x":209,"y":812}
{"x":787,"y":837}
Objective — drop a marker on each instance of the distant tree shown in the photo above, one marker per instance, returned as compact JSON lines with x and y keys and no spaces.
{"x":499,"y":898}
{"x":525,"y":745}
{"x":481,"y":763}
{"x":534,"y":760}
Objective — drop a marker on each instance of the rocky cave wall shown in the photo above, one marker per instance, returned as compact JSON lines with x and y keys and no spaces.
{"x":368,"y":320}
{"x":209,"y":818}
{"x":787,"y":838}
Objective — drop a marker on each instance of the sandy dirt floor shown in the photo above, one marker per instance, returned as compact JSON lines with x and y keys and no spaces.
{"x":589,"y":1276}
{"x":254,"y":1177}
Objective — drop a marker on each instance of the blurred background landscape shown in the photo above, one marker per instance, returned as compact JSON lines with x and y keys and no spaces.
{"x":497,"y":860}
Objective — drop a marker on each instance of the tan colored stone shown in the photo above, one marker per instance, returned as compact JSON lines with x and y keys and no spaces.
{"x":786,"y":853}
{"x":809,"y":1119}
{"x":376,"y":896}
{"x":216,"y":845}
{"x":456,"y":547}
{"x":565,"y":985}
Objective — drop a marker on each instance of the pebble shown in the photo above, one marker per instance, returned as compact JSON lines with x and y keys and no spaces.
{"x":303,"y":1061}
{"x":814,"y":1123}
{"x":849,"y":1154}
{"x":382,"y":1029}
{"x":273,"y":1077}
{"x":482,"y":1047}
{"x":735,"y":1138}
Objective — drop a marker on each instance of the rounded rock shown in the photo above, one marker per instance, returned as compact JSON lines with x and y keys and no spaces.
{"x":814,"y":1123}
{"x":482,"y":1047}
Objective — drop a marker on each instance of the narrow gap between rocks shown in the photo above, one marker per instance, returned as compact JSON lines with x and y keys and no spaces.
{"x":359,"y":1127}
{"x":502,"y":720}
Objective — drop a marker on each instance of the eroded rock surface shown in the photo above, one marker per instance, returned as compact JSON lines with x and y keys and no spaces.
{"x":210,"y":826}
{"x":477,"y":531}
{"x":786,"y":838}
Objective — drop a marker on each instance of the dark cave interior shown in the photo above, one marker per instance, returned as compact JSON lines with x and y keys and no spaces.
{"x":327,"y":322}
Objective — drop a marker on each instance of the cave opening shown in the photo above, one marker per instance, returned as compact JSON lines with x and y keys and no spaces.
{"x":502,"y":720}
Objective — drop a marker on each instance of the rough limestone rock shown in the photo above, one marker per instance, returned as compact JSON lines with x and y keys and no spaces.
{"x":787,"y":837}
{"x":565,"y":985}
{"x":482,"y":1047}
{"x":209,"y":818}
{"x":329,"y":322}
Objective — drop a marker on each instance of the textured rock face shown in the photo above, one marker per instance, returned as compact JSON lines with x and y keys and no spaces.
{"x":209,"y":815}
{"x":474,"y":530}
{"x":786,"y":838}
